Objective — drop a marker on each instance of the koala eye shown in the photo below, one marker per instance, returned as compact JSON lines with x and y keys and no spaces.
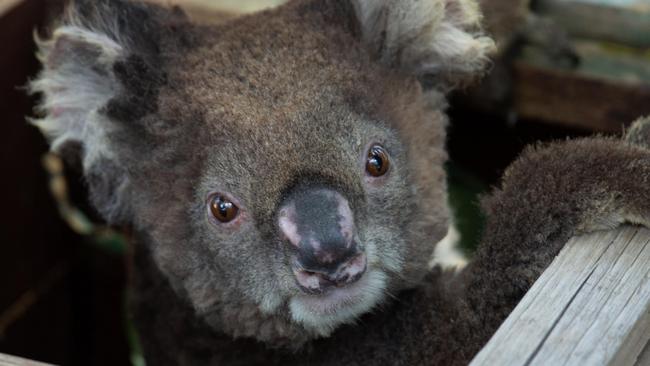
{"x":223,"y":209}
{"x":377,"y":161}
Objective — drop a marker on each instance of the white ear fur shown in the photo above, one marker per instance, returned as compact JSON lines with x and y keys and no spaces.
{"x":441,"y":39}
{"x":76,"y":81}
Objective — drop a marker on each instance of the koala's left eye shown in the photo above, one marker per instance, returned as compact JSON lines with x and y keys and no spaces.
{"x":223,"y":209}
{"x":377,"y":161}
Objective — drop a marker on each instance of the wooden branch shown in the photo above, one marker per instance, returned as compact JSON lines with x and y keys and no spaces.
{"x":7,"y":5}
{"x":590,"y":307}
{"x":7,"y":360}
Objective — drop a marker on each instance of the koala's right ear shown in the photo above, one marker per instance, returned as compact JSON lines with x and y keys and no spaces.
{"x":439,"y":41}
{"x":100,"y":74}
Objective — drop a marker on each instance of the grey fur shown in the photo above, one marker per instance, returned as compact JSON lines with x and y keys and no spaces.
{"x":293,"y":97}
{"x":442,"y":40}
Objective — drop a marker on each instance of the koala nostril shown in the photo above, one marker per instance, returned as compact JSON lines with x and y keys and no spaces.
{"x":352,"y":270}
{"x":342,"y":281}
{"x":311,"y":282}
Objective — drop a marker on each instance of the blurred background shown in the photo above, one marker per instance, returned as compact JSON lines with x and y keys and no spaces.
{"x":565,"y":68}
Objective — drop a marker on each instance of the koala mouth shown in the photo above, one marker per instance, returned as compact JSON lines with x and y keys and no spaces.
{"x":318,"y":282}
{"x":323,"y":312}
{"x":334,"y":298}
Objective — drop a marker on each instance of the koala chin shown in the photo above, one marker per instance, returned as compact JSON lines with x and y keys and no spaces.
{"x":322,"y":314}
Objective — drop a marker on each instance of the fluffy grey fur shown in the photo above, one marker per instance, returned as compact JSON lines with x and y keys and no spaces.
{"x":427,"y":38}
{"x":168,"y":112}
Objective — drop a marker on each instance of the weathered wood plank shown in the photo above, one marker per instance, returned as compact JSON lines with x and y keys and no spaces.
{"x":644,"y":359}
{"x":590,"y":307}
{"x":7,"y":360}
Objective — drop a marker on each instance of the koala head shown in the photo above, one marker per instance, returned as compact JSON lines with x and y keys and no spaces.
{"x":285,"y":169}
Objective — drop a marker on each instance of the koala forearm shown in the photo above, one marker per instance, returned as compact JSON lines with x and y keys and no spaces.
{"x":550,"y":194}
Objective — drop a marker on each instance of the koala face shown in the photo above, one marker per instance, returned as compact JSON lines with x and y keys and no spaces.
{"x":303,"y":204}
{"x":284,"y":169}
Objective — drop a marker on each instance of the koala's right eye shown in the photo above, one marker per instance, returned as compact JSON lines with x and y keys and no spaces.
{"x":377,"y":161}
{"x":223,"y":209}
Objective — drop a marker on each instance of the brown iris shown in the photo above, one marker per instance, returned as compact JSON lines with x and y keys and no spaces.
{"x":377,"y":162}
{"x":223,"y":209}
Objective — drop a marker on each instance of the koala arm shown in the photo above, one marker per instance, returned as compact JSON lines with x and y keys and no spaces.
{"x":548,"y":195}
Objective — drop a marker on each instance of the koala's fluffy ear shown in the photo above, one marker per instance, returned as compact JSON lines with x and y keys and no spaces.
{"x":100,"y":73}
{"x":439,"y":41}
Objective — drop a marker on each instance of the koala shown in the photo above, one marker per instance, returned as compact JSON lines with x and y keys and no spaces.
{"x":281,"y":175}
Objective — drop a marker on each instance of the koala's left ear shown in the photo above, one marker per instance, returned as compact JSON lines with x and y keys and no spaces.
{"x":101,"y":72}
{"x":439,"y":41}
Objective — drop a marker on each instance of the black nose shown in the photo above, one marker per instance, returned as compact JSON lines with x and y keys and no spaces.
{"x":325,"y":255}
{"x":319,"y":226}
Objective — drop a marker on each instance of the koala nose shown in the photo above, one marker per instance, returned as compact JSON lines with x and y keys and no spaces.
{"x":319,"y":226}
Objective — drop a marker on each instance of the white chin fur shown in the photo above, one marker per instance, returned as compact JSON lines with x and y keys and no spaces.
{"x":323,"y":313}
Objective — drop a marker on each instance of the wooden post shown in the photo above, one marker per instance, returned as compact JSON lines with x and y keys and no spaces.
{"x":590,"y":307}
